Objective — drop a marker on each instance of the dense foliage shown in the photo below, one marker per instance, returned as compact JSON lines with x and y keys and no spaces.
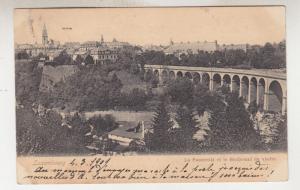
{"x":28,"y":77}
{"x":230,"y":126}
{"x":49,"y":133}
{"x":94,"y":87}
{"x":38,"y":134}
{"x":182,"y":137}
{"x":269,"y":56}
{"x":98,"y":87}
{"x":160,"y":139}
{"x":181,"y":91}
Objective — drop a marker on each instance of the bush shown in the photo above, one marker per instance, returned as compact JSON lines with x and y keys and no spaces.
{"x":103,"y":124}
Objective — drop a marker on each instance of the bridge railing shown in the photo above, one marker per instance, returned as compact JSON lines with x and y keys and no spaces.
{"x":270,"y":73}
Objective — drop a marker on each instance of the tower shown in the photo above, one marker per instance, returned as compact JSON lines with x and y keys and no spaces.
{"x":45,"y":36}
{"x":171,"y":42}
{"x":102,"y":39}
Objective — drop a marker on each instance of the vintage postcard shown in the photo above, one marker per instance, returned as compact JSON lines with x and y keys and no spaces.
{"x":151,"y":94}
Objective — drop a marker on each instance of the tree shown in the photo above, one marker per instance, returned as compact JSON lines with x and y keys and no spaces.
{"x":89,"y":88}
{"x":234,"y":57}
{"x":134,"y":69}
{"x":201,"y":98}
{"x":63,"y":58}
{"x":255,"y":59}
{"x":218,"y":134}
{"x":231,"y":128}
{"x":171,"y":59}
{"x":159,"y":140}
{"x":280,"y":141}
{"x":252,"y":108}
{"x":183,"y":136}
{"x":181,"y":91}
{"x":243,"y":134}
{"x":115,"y":91}
{"x":152,"y":57}
{"x":89,"y":60}
{"x":269,"y":59}
{"x":78,"y":130}
{"x":154,"y":82}
{"x":22,"y":55}
{"x":78,"y":60}
{"x":103,"y":124}
{"x":137,"y":145}
{"x":136,"y":99}
{"x":28,"y":77}
{"x":27,"y":127}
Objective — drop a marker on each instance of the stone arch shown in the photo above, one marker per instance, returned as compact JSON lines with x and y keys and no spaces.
{"x":245,"y":88}
{"x":261,"y":92}
{"x":226,"y":81}
{"x":179,"y":74}
{"x":164,"y":76}
{"x":216,"y":81}
{"x":275,"y":97}
{"x":156,"y":73}
{"x":148,"y":75}
{"x":172,"y":75}
{"x":196,"y":78}
{"x":206,"y":79}
{"x":235,"y":84}
{"x":188,"y":75}
{"x":253,"y":90}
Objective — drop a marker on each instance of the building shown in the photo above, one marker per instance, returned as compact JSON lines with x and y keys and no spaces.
{"x":101,"y":55}
{"x":88,"y":45}
{"x":152,"y":47}
{"x":47,"y":47}
{"x":114,"y":44}
{"x":128,"y":132}
{"x":79,"y":53}
{"x":74,"y":45}
{"x":106,"y":55}
{"x":44,"y":36}
{"x":190,"y":47}
{"x":225,"y":47}
{"x":101,"y":51}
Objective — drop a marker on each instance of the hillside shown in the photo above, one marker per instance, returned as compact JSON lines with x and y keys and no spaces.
{"x":130,"y":81}
{"x":52,"y":75}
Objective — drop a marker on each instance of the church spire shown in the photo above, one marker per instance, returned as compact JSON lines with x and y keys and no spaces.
{"x":102,"y":39}
{"x":45,"y":35}
{"x":171,"y":42}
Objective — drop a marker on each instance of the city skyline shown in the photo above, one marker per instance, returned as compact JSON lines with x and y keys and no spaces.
{"x":215,"y":23}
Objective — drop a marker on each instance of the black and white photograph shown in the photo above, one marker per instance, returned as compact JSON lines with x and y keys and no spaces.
{"x":150,"y":81}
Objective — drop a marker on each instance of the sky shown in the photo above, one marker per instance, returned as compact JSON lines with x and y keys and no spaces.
{"x":142,"y":26}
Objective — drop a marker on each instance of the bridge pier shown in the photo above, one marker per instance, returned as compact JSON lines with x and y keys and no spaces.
{"x":266,"y":89}
{"x":258,"y":94}
{"x":211,"y":84}
{"x":249,"y":94}
{"x":240,"y":90}
{"x":284,"y":105}
{"x":266,"y":100}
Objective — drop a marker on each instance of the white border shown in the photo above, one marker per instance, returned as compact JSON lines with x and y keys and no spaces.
{"x":7,"y":97}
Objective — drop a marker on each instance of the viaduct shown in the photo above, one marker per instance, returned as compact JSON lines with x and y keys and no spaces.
{"x":266,"y":87}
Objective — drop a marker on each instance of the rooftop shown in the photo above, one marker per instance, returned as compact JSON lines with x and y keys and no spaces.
{"x":127,"y":130}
